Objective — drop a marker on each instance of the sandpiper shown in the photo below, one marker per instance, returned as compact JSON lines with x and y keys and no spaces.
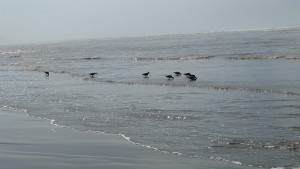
{"x":169,"y":77}
{"x":92,"y":74}
{"x":177,"y":73}
{"x":192,"y":77}
{"x":145,"y":74}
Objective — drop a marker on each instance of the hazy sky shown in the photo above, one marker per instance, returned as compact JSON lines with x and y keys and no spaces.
{"x":31,"y":21}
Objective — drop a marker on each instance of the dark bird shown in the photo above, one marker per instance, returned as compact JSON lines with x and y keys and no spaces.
{"x":169,"y":77}
{"x":192,"y":77}
{"x":145,"y":74}
{"x":47,"y":73}
{"x":92,"y":75}
{"x":177,"y":73}
{"x":187,"y":74}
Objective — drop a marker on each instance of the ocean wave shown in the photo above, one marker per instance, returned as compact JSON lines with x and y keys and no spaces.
{"x":199,"y":86}
{"x":249,"y":57}
{"x":130,"y":140}
{"x":124,"y":136}
{"x":87,"y":58}
{"x":185,"y":57}
{"x":81,"y":58}
{"x":223,"y":88}
{"x":127,"y":138}
{"x":290,"y":145}
{"x":36,"y":67}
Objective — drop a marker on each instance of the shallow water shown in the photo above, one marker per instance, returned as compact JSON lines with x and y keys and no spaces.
{"x":243,"y":108}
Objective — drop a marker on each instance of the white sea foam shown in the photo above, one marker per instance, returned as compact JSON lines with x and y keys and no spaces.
{"x":225,"y":160}
{"x":126,"y":138}
{"x":177,"y":153}
{"x":236,"y":162}
{"x":129,"y":140}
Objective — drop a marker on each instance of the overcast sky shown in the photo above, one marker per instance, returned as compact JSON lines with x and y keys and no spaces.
{"x":32,"y":21}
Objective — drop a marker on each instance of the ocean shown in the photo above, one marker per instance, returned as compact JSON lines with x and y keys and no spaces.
{"x":244,"y":107}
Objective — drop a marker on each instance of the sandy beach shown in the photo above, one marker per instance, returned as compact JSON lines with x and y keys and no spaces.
{"x":28,"y":142}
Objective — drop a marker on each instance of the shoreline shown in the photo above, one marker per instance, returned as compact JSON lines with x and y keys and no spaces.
{"x":28,"y":142}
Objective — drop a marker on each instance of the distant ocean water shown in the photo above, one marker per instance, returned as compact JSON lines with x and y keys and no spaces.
{"x":244,"y":108}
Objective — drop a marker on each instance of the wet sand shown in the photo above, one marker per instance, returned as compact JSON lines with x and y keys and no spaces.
{"x":28,"y":142}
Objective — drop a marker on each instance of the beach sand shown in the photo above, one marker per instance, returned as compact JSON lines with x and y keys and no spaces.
{"x":31,"y":143}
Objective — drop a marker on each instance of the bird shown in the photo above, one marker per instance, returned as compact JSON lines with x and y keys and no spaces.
{"x":169,"y":77}
{"x":192,"y":77}
{"x":177,"y":73}
{"x":92,"y":74}
{"x":145,"y":74}
{"x":187,"y":74}
{"x":47,"y":73}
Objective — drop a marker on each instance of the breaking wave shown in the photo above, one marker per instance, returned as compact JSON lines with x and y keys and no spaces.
{"x":249,"y":57}
{"x":185,"y":57}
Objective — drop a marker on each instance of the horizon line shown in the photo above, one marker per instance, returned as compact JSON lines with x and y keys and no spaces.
{"x":154,"y":35}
